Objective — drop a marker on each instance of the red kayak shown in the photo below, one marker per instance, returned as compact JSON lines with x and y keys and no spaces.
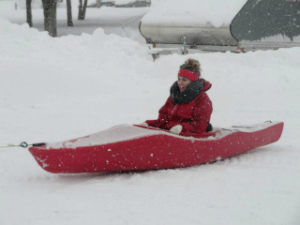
{"x":133,"y":147}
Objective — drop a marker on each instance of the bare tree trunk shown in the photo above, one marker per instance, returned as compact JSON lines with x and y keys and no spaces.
{"x":46,"y":25}
{"x":82,"y":9}
{"x":98,"y":4}
{"x":29,"y":12}
{"x":69,"y":13}
{"x":52,"y":20}
{"x":50,"y":17}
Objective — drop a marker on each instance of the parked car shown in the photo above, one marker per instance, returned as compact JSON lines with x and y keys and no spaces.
{"x":132,"y":3}
{"x":109,"y":3}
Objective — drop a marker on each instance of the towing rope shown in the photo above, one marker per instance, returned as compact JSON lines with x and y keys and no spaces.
{"x":24,"y":145}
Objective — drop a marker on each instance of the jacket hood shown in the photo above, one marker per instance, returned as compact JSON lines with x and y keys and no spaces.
{"x":207,"y":85}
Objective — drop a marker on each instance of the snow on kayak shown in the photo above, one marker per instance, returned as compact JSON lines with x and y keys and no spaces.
{"x":132,"y":147}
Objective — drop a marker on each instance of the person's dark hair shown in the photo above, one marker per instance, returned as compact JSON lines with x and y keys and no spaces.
{"x":192,"y":65}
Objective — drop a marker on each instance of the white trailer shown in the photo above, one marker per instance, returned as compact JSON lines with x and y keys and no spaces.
{"x":236,"y":25}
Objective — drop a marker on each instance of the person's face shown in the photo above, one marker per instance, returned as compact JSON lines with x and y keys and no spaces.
{"x":183,"y":83}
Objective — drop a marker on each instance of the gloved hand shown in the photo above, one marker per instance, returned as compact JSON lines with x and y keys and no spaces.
{"x":143,"y":124}
{"x":176,"y":129}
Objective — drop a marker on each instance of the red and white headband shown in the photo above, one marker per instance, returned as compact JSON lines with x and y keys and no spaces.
{"x":188,"y":74}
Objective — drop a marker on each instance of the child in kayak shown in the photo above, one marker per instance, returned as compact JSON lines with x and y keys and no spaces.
{"x":188,"y":109}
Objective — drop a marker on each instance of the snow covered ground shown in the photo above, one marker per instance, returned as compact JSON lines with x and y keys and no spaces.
{"x":57,"y":89}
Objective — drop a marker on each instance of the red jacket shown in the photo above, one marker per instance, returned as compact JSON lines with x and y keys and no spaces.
{"x":193,"y":116}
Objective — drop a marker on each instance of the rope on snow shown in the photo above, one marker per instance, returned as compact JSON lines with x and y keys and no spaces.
{"x":24,"y":145}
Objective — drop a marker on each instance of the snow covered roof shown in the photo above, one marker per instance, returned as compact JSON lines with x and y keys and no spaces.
{"x":193,"y":12}
{"x":123,"y":2}
{"x":103,"y":1}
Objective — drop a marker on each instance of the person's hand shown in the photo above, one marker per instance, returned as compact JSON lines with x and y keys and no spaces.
{"x":143,"y":124}
{"x":176,"y":129}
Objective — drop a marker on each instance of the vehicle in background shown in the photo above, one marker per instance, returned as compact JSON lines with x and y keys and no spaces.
{"x":132,"y":3}
{"x":253,"y":25}
{"x":108,"y":3}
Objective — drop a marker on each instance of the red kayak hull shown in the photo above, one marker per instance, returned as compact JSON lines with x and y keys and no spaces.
{"x":155,"y":151}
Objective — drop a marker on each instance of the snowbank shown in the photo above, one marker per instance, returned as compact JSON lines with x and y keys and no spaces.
{"x":41,"y":64}
{"x":32,"y":42}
